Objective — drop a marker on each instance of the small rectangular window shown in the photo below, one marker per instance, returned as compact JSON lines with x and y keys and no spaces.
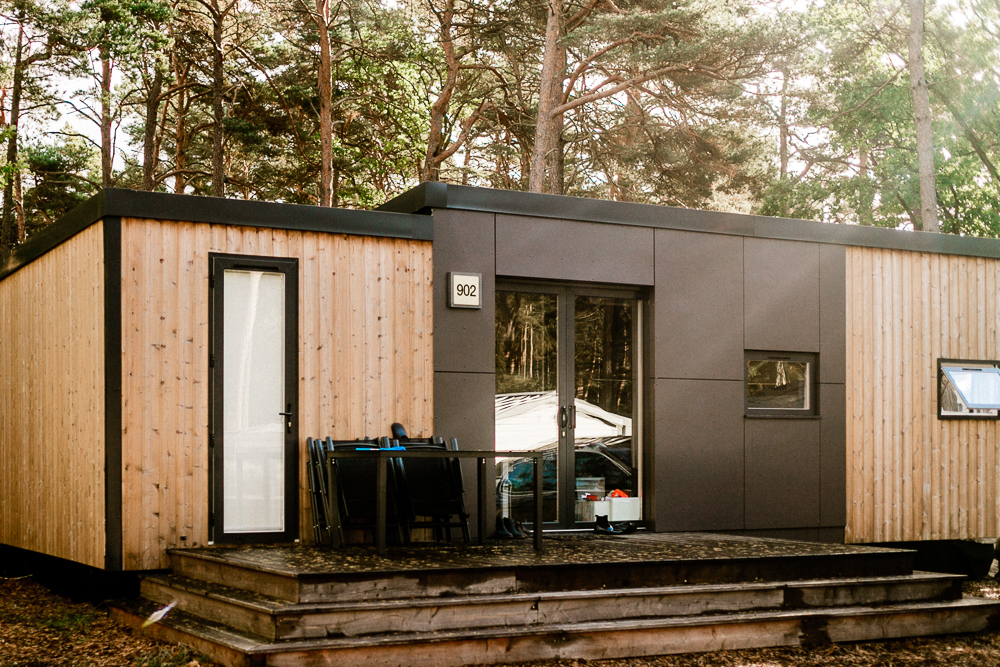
{"x":780,"y":384}
{"x":968,"y":389}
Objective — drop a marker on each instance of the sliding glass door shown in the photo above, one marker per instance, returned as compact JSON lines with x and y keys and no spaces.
{"x":567,"y":363}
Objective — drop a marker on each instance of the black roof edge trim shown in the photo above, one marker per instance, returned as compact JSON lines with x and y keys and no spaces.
{"x":61,"y":230}
{"x":420,"y":200}
{"x":427,"y":196}
{"x":216,"y":210}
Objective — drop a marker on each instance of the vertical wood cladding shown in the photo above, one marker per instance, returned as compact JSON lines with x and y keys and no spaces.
{"x":911,"y":476}
{"x":365,"y":360}
{"x":52,"y":402}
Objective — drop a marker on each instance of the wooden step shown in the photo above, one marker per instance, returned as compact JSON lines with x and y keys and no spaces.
{"x":590,"y":640}
{"x":309,"y":574}
{"x":275,"y":619}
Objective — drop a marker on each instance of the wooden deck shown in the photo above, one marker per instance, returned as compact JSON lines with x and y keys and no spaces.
{"x":584,"y":596}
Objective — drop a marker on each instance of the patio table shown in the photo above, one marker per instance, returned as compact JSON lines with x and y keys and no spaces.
{"x":382,"y":456}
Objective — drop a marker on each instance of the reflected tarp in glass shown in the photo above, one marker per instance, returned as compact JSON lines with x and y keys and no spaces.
{"x":979,"y":388}
{"x":777,"y":384}
{"x":526,"y":399}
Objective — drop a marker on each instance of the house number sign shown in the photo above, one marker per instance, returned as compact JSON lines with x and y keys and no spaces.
{"x":465,"y":290}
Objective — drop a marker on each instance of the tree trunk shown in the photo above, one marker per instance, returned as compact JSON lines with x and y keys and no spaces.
{"x":218,"y":90}
{"x":431,"y":168}
{"x":335,"y":186}
{"x":7,"y":233}
{"x":150,"y":154}
{"x":783,"y":145}
{"x":922,"y":120}
{"x":467,"y":164}
{"x":866,"y":193}
{"x":556,"y":158}
{"x":106,"y":148}
{"x":551,"y":77}
{"x":325,"y":87}
{"x":180,"y":126}
{"x":19,"y":209}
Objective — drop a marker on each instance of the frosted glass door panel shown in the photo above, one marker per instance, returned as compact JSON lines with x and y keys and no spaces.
{"x":253,"y":400}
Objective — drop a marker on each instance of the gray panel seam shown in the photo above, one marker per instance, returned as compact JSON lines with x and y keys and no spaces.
{"x":467,"y":372}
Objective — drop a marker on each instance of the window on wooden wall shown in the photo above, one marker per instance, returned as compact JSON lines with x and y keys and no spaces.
{"x":780,"y":384}
{"x":968,"y":389}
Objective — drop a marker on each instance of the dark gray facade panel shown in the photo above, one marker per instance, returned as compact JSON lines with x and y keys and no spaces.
{"x":463,"y":338}
{"x":782,"y":473}
{"x":832,"y":313}
{"x":833,"y":455}
{"x":831,"y":535}
{"x":699,"y":455}
{"x":463,"y":409}
{"x":781,"y":295}
{"x":698,"y":324}
{"x":573,"y":251}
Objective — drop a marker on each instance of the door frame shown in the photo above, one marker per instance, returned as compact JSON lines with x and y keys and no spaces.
{"x":289,"y":267}
{"x":566,"y":293}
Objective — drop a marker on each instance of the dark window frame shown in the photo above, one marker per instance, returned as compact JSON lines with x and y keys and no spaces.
{"x":641,"y":360}
{"x":812,"y":412}
{"x":289,"y":266}
{"x":941,"y":362}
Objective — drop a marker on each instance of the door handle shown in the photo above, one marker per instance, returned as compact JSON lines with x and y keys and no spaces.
{"x":288,"y":417}
{"x":563,"y":417}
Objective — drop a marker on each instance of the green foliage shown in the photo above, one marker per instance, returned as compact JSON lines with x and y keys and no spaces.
{"x":797,"y":111}
{"x":58,"y":177}
{"x":852,"y":132}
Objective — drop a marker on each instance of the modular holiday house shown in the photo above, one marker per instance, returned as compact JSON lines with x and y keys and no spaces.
{"x":694,"y":371}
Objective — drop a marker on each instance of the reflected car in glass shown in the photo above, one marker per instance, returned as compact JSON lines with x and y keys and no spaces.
{"x":606,"y":459}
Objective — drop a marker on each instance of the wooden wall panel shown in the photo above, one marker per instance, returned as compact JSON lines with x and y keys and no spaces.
{"x":365,"y":360}
{"x":52,"y":402}
{"x":911,"y":476}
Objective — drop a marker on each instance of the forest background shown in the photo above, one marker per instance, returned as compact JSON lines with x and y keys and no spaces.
{"x":796,"y":108}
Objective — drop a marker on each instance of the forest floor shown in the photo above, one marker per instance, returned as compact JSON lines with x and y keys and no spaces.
{"x":41,"y":629}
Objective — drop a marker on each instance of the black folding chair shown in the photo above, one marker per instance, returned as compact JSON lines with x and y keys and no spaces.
{"x":432,"y":488}
{"x":356,"y":489}
{"x":318,"y":490}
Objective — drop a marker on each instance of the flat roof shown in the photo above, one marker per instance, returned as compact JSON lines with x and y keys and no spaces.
{"x":120,"y":203}
{"x":426,"y":197}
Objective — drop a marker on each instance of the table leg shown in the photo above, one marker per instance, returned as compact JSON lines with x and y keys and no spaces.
{"x":536,"y":470}
{"x":483,"y":483}
{"x":381,"y":501}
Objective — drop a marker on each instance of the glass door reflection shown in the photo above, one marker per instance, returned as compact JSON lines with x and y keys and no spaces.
{"x":527,"y":398}
{"x":566,"y":363}
{"x":605,"y":474}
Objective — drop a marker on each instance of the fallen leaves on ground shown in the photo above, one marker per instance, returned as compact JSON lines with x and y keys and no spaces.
{"x":41,"y":629}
